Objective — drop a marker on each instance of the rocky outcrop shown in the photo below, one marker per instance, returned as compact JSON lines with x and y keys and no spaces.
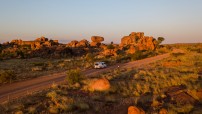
{"x":132,"y":38}
{"x":131,"y":50}
{"x":96,"y":41}
{"x":99,"y":85}
{"x":41,"y":39}
{"x":83,"y":43}
{"x":110,"y":52}
{"x":37,"y":43}
{"x":178,"y":94}
{"x":139,"y":41}
{"x":72,"y":43}
{"x":17,"y":42}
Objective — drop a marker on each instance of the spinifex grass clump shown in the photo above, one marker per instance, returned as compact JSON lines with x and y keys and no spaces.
{"x":6,"y":76}
{"x":74,"y":76}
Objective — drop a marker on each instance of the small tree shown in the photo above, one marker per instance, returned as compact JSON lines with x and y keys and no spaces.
{"x":74,"y":76}
{"x":90,"y":58}
{"x":6,"y":76}
{"x":54,"y":97}
{"x":137,"y":55}
{"x":110,"y":46}
{"x":160,"y":40}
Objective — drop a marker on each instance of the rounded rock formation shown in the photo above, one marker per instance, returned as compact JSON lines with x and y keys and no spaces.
{"x":135,"y":110}
{"x":99,"y":85}
{"x":140,"y":41}
{"x":97,"y":39}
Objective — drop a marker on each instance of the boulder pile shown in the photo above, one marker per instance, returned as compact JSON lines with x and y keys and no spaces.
{"x":137,"y":41}
{"x":83,"y":43}
{"x":96,"y":41}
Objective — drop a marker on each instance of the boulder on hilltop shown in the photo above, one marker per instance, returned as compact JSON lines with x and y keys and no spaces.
{"x":41,"y":39}
{"x":83,"y":43}
{"x":139,"y":41}
{"x":97,"y":39}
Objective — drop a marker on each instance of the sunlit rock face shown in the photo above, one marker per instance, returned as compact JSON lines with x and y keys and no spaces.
{"x":96,"y":41}
{"x":99,"y":85}
{"x":135,"y":110}
{"x":139,"y":41}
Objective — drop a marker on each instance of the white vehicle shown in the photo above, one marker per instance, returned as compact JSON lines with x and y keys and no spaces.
{"x":100,"y":65}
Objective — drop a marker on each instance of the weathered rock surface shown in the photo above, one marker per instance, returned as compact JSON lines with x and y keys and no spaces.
{"x":41,"y":39}
{"x":95,"y":44}
{"x":140,"y":41}
{"x":97,"y":39}
{"x":99,"y":85}
{"x":179,"y":94}
{"x":37,"y":43}
{"x":135,"y":110}
{"x":83,"y":43}
{"x":73,"y":43}
{"x":110,"y":52}
{"x":131,"y":50}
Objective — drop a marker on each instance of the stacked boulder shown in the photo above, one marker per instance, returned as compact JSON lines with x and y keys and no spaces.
{"x":96,"y":41}
{"x":83,"y":43}
{"x":137,"y":41}
{"x":132,"y":38}
{"x":41,"y":39}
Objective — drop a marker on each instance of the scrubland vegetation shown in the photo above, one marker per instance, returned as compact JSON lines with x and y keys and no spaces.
{"x":173,"y":84}
{"x":37,"y":67}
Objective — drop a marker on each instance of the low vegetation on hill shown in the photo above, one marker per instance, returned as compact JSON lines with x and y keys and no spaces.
{"x":172,"y":85}
{"x":45,"y":57}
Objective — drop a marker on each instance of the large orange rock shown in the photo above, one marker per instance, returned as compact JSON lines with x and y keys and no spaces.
{"x":127,"y":40}
{"x":99,"y":85}
{"x":42,"y":39}
{"x":110,"y":52}
{"x":82,"y":43}
{"x":140,"y":41}
{"x":135,"y":110}
{"x":95,"y":44}
{"x":131,"y":50}
{"x":73,"y":43}
{"x":97,"y":39}
{"x":18,"y":42}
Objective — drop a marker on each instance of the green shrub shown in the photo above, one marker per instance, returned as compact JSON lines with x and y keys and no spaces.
{"x":6,"y":76}
{"x":177,"y":54}
{"x":137,"y":56}
{"x":110,"y":46}
{"x":82,"y":106}
{"x":74,"y":76}
{"x":38,"y":64}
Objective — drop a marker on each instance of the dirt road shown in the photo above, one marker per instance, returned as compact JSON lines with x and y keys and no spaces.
{"x":19,"y":89}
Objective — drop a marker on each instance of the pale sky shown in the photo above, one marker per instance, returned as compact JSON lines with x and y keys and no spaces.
{"x":178,"y":21}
